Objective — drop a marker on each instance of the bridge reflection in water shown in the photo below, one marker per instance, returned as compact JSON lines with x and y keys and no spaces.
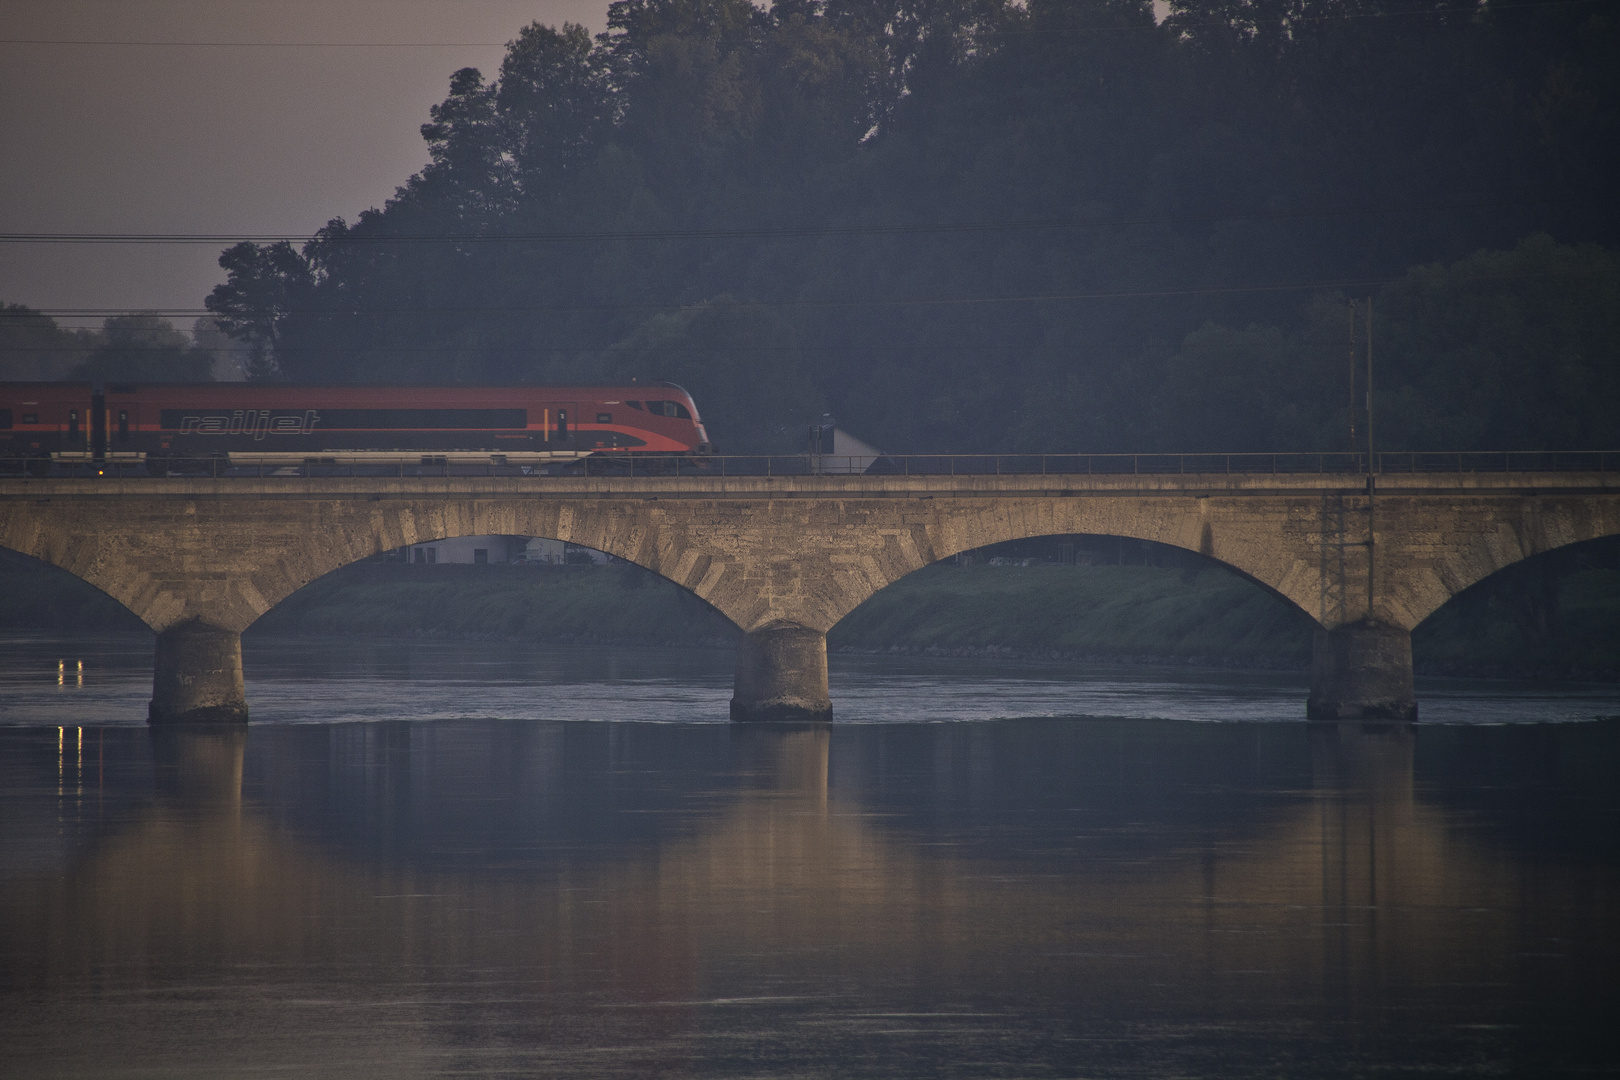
{"x":1202,"y":898}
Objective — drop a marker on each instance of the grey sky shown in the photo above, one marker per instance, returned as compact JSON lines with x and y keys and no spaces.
{"x":215,"y":139}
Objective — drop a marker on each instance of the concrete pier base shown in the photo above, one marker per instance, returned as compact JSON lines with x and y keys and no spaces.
{"x":1362,"y":671}
{"x":197,"y":677}
{"x":782,"y":675}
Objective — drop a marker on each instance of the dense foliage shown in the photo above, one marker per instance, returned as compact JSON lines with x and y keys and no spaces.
{"x":134,"y":347}
{"x":985,"y":224}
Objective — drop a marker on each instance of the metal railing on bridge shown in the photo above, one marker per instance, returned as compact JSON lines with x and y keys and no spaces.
{"x":644,"y":465}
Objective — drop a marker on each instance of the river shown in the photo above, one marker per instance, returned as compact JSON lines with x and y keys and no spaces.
{"x":485,"y":859}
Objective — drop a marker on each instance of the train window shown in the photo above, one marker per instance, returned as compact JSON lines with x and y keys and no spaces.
{"x":123,"y":423}
{"x":668,"y":408}
{"x":634,"y":405}
{"x":604,"y":418}
{"x":218,"y":422}
{"x":423,"y":418}
{"x":5,"y":419}
{"x":30,"y":418}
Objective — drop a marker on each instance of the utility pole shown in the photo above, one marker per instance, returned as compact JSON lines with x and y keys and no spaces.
{"x":1369,"y":387}
{"x":1352,"y":354}
{"x":1372,"y":512}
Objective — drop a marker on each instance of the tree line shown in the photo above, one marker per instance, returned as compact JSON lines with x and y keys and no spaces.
{"x":134,"y":347}
{"x":1055,"y":225}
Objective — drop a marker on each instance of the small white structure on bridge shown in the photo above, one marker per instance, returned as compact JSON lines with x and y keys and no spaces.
{"x":834,"y":451}
{"x":468,"y":549}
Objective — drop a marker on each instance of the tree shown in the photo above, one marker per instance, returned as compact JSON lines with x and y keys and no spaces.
{"x":34,"y":348}
{"x":1503,"y":350}
{"x":469,"y":183}
{"x":740,"y":363}
{"x":210,"y":336}
{"x":264,"y":285}
{"x":1050,"y":224}
{"x":554,"y":103}
{"x":145,"y":348}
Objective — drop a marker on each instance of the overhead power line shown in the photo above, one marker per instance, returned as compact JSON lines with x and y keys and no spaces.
{"x":786,"y":232}
{"x":544,"y":347}
{"x":262,"y":44}
{"x":1418,"y":12}
{"x":925,"y":301}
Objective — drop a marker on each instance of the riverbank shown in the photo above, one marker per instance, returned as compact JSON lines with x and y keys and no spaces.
{"x":1118,"y":613}
{"x":1196,"y":615}
{"x":618,"y":603}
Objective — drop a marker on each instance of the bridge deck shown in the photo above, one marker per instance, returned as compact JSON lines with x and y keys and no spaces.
{"x":858,"y":486}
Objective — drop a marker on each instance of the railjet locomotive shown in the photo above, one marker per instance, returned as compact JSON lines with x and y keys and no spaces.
{"x":177,"y":426}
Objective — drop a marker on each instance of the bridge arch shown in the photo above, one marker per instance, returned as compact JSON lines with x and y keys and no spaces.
{"x":1532,"y":595}
{"x":510,"y":589}
{"x":167,"y":585}
{"x":88,"y":591}
{"x":1537,"y":525}
{"x":1053,"y":596}
{"x":1212,"y":532}
{"x":199,"y":571}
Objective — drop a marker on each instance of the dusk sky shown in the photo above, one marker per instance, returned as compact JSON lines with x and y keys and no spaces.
{"x":251,"y":131}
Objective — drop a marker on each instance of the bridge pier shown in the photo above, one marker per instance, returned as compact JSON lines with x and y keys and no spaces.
{"x":197,"y":676}
{"x":1362,"y":671}
{"x":782,"y":675}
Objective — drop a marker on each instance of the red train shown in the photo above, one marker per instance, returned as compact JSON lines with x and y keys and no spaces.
{"x":181,"y":425}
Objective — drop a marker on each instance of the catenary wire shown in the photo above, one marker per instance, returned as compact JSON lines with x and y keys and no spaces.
{"x":1345,"y":17}
{"x":543,"y":347}
{"x":897,"y":229}
{"x":924,"y":301}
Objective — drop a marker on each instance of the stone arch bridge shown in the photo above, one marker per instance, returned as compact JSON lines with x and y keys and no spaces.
{"x":786,"y":557}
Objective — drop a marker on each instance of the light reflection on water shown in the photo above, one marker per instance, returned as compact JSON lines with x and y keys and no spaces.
{"x":343,"y":680}
{"x":1025,"y":897}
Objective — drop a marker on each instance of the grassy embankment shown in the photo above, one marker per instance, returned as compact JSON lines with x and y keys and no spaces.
{"x":1126,"y":612}
{"x":619,"y":602}
{"x":1203,"y":615}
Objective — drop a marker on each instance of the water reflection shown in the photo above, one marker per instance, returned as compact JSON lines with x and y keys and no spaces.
{"x":199,"y":767}
{"x":1035,"y":897}
{"x":351,"y":679}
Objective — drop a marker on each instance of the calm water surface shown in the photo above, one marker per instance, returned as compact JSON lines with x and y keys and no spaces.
{"x":449,"y":860}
